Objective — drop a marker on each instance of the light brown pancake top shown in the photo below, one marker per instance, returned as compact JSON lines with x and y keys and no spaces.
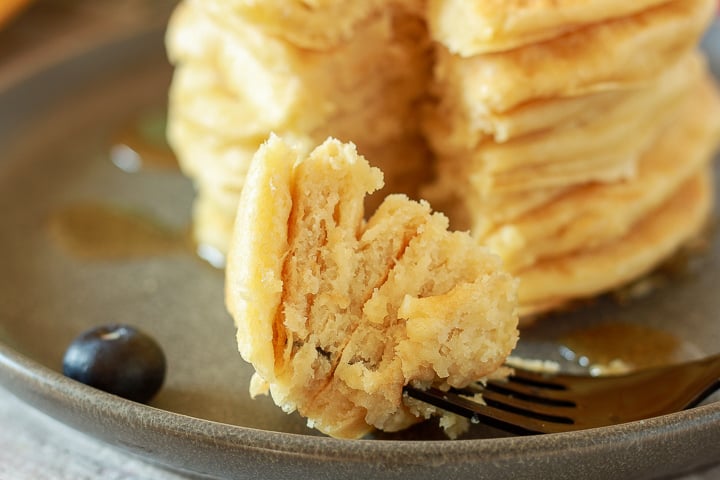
{"x":472,"y":27}
{"x":601,"y":57}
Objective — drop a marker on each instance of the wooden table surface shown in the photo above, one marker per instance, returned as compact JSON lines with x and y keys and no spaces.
{"x":32,"y":445}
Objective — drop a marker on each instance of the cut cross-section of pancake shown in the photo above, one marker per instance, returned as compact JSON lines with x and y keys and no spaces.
{"x":337,"y":314}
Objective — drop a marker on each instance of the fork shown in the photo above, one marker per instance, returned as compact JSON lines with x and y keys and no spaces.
{"x":529,"y":403}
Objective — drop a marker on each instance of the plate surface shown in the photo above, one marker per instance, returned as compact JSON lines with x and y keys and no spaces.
{"x":65,"y":177}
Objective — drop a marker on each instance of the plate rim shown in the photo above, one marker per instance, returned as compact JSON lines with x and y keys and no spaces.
{"x":218,"y":450}
{"x":42,"y":380}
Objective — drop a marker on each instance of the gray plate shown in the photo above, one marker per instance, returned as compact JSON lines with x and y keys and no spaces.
{"x":56,"y":129}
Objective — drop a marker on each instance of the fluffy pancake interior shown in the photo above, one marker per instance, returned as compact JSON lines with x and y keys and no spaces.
{"x":364,"y":307}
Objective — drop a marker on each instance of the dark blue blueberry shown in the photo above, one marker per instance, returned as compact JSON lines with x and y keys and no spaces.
{"x":118,"y":359}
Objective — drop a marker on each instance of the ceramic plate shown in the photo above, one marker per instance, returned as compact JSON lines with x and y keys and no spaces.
{"x":94,"y":233}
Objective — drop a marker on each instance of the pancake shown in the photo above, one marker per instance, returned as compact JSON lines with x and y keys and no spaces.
{"x":550,"y":283}
{"x":452,"y":130}
{"x":315,"y":24}
{"x":600,"y":57}
{"x":233,"y":85}
{"x":212,"y":226}
{"x":270,"y":85}
{"x":472,"y":27}
{"x":337,"y":315}
{"x":218,"y":168}
{"x":198,"y":95}
{"x":580,"y":219}
{"x":468,"y":209}
{"x":620,"y":130}
{"x":616,"y":166}
{"x":203,"y":152}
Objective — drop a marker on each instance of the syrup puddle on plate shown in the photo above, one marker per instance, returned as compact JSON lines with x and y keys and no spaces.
{"x":107,"y":232}
{"x":613,"y":348}
{"x":142,"y":145}
{"x":103,"y":231}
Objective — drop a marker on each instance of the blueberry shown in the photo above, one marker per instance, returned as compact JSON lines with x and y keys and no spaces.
{"x":118,"y":359}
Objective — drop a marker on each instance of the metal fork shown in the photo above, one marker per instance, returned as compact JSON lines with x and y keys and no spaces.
{"x":531,"y":403}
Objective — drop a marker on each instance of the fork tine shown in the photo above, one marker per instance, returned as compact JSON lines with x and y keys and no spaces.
{"x":530,"y":393}
{"x":532,"y":405}
{"x":537,"y":379}
{"x":520,"y":387}
{"x":531,"y":408}
{"x":529,"y":402}
{"x":490,"y":415}
{"x":518,"y":423}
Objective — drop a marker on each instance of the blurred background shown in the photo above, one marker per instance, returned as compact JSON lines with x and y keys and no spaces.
{"x":35,"y":32}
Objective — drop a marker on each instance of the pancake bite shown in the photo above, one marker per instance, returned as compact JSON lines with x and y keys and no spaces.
{"x":337,"y":314}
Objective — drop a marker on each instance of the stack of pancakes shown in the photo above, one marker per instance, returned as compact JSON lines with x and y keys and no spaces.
{"x":575,"y":136}
{"x":571,"y":136}
{"x":352,"y":70}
